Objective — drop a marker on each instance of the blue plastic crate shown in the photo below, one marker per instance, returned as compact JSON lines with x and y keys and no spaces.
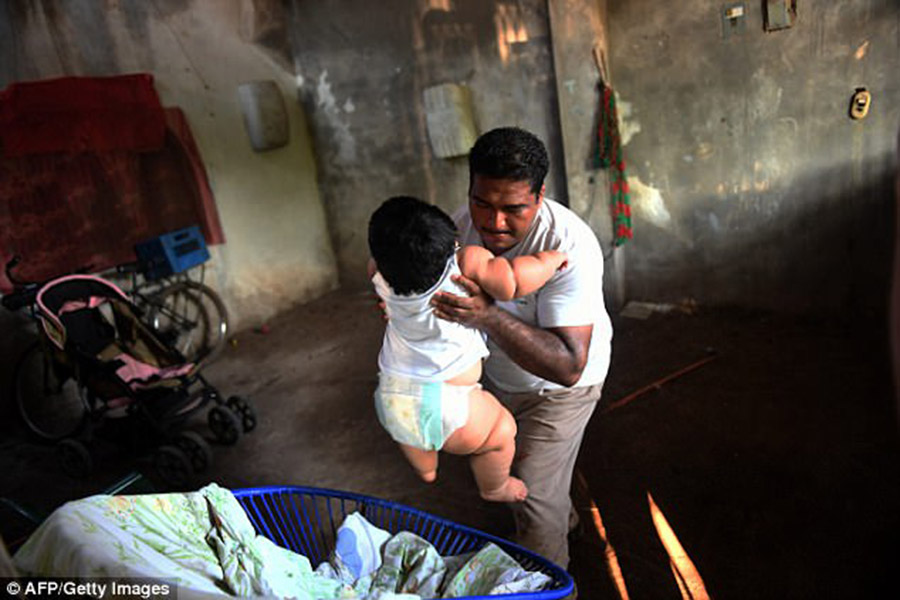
{"x":173,"y":252}
{"x":306,"y":520}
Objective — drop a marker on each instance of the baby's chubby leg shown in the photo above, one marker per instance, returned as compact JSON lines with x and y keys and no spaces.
{"x":489,"y":436}
{"x":424,"y":462}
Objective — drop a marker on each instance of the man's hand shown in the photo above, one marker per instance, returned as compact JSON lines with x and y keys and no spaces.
{"x":471,"y":310}
{"x":558,"y":260}
{"x":558,"y":354}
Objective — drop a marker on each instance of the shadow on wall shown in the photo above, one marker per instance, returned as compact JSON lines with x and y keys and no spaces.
{"x":824,"y":256}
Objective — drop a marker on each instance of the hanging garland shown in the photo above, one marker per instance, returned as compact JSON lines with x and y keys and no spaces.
{"x":610,"y":155}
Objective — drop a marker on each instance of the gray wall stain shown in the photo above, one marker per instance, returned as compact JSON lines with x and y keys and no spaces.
{"x":137,"y":18}
{"x":55,"y":16}
{"x":66,"y":37}
{"x":168,"y":8}
{"x":8,"y":42}
{"x":96,"y":52}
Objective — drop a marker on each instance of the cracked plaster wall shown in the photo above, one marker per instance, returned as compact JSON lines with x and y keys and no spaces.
{"x":361,"y":72}
{"x":750,"y":185}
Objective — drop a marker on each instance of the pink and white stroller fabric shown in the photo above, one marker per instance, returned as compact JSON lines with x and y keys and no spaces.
{"x":93,"y":317}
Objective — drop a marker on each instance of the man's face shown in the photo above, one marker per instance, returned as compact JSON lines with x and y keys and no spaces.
{"x":502,"y":211}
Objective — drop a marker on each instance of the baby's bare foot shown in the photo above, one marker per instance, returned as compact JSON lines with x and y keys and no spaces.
{"x":514,"y":490}
{"x":428,"y":476}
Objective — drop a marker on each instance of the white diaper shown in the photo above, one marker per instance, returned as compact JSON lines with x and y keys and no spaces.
{"x":421,"y":414}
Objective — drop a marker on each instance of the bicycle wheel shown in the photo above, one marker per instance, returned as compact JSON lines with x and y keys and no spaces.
{"x":50,"y":401}
{"x":191,"y":317}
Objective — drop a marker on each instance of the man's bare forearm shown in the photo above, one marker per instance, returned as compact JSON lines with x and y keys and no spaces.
{"x":542,"y":352}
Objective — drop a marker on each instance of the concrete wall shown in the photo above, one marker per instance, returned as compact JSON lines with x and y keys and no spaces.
{"x":361,"y":71}
{"x":277,"y":251}
{"x":581,"y":41}
{"x":751,"y":185}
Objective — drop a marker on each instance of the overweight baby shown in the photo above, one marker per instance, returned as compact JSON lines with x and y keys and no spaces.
{"x":428,"y":396}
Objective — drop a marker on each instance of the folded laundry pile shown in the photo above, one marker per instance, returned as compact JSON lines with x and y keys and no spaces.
{"x":204,"y":543}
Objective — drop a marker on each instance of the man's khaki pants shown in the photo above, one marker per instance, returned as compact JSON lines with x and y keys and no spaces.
{"x":550,"y":428}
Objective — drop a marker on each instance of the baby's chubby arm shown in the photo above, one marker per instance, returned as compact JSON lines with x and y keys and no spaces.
{"x":371,"y":269}
{"x":506,"y":279}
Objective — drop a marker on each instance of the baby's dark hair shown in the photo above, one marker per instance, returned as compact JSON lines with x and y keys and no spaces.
{"x":510,"y":153}
{"x":411,"y":242}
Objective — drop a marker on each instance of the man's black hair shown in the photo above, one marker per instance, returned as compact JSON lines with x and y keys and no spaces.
{"x":509,"y":153}
{"x":411,"y":242}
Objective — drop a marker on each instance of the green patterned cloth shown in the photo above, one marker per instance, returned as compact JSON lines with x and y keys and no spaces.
{"x":413,"y":568}
{"x":410,"y":565}
{"x":204,"y":542}
{"x":489,"y":572}
{"x":201,"y":541}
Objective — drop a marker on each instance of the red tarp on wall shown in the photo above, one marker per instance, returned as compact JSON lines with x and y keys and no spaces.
{"x":62,"y":210}
{"x":81,"y":114}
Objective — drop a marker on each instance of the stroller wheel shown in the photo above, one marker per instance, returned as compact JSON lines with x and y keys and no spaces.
{"x":225,"y":425}
{"x":74,"y":458}
{"x":196,"y":448}
{"x":245,"y":410}
{"x":172,"y":465}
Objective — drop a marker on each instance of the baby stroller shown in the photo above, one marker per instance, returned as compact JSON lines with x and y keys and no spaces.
{"x":99,"y":370}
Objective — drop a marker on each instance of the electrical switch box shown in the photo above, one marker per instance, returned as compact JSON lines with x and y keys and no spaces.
{"x":734,"y":19}
{"x":859,"y":104}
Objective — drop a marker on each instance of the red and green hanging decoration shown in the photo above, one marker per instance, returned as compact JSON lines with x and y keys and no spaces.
{"x":610,"y":155}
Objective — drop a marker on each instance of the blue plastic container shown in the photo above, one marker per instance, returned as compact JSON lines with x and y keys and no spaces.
{"x":306,"y":520}
{"x":173,"y":252}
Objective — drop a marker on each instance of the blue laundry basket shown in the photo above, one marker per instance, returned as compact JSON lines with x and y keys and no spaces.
{"x":306,"y":519}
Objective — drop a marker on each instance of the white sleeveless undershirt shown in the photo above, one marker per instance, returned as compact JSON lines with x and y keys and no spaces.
{"x":419,"y":345}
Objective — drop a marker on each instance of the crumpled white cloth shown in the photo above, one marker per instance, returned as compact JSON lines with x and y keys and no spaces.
{"x":409,"y":567}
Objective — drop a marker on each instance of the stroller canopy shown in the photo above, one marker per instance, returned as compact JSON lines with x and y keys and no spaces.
{"x":69,"y":294}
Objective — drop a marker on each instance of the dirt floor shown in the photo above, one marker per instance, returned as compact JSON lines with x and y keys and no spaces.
{"x":774,"y":462}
